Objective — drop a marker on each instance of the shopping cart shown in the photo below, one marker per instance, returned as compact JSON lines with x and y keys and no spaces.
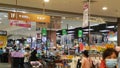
{"x":35,"y":64}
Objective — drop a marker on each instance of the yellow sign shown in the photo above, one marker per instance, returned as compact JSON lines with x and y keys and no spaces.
{"x":69,"y":56}
{"x":3,"y":38}
{"x":3,"y":41}
{"x":110,"y":45}
{"x":28,"y":17}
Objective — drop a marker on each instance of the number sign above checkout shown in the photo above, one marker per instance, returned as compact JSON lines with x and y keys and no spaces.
{"x":28,"y":17}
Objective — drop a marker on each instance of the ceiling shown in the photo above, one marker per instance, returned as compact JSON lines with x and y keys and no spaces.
{"x":73,"y":6}
{"x":65,"y":8}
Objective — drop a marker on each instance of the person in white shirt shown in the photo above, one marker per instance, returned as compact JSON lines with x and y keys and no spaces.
{"x":26,"y":58}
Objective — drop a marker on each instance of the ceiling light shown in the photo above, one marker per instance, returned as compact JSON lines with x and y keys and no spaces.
{"x":85,"y":32}
{"x":61,"y":21}
{"x":57,"y":33}
{"x":104,"y":30}
{"x":87,"y":29}
{"x":63,"y":17}
{"x":13,"y":10}
{"x":70,"y":34}
{"x":46,"y":1}
{"x":110,"y":27}
{"x":71,"y":27}
{"x":94,"y":24}
{"x":29,"y":28}
{"x":5,"y":16}
{"x":23,"y":11}
{"x":104,"y":8}
{"x":70,"y":31}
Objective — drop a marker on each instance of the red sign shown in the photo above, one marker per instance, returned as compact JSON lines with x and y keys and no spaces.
{"x":20,"y":23}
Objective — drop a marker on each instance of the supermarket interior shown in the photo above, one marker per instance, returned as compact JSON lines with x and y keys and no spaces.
{"x":59,"y":34}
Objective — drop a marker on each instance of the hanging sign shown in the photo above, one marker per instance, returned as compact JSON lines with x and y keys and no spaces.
{"x":3,"y":38}
{"x":20,"y":23}
{"x":28,"y":17}
{"x":44,"y":31}
{"x":64,"y":32}
{"x":80,"y":33}
{"x":85,"y":15}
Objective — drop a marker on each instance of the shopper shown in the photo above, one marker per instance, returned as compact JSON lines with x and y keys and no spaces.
{"x":86,"y":61}
{"x":26,"y":58}
{"x":1,"y":53}
{"x":17,"y":57}
{"x":109,"y":58}
{"x":34,"y":61}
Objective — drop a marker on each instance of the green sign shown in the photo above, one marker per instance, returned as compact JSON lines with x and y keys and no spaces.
{"x":80,"y":33}
{"x":64,"y":32}
{"x":44,"y":31}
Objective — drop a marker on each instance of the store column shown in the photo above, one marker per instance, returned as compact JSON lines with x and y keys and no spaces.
{"x":118,"y":31}
{"x":52,"y":36}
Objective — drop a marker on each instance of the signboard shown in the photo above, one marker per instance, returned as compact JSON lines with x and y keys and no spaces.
{"x":80,"y":33}
{"x":55,"y":22}
{"x":64,"y":32}
{"x":3,"y":38}
{"x":44,"y":31}
{"x":3,"y":33}
{"x":20,"y":23}
{"x":85,"y":15}
{"x":41,"y":25}
{"x":38,"y":36}
{"x":28,"y":17}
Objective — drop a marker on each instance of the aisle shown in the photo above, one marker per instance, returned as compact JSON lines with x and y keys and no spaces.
{"x":4,"y":65}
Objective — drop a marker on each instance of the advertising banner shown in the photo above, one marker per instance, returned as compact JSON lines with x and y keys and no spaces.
{"x":85,"y":15}
{"x":3,"y":38}
{"x":20,"y":23}
{"x":28,"y":17}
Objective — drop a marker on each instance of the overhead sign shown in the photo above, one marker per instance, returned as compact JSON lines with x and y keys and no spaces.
{"x":44,"y":31}
{"x":28,"y":17}
{"x":80,"y":33}
{"x":64,"y":32}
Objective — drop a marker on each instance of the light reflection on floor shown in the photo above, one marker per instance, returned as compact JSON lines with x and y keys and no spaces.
{"x":4,"y":65}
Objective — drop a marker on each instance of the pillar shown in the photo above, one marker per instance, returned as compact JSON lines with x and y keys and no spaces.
{"x":118,"y":31}
{"x":52,"y":36}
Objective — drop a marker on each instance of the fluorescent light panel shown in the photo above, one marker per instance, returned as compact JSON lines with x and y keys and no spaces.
{"x":57,"y":33}
{"x":94,"y":24}
{"x":70,"y":31}
{"x":85,"y":32}
{"x":110,"y":27}
{"x":87,"y":29}
{"x":104,"y":30}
